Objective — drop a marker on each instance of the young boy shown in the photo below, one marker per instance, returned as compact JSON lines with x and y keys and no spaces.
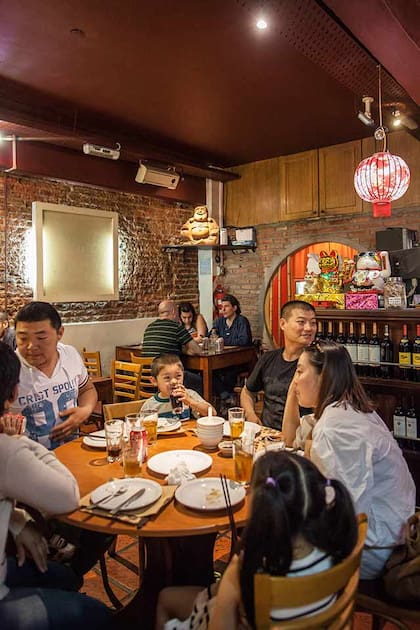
{"x":168,"y":375}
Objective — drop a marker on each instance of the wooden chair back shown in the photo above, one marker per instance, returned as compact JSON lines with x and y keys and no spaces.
{"x":120,"y":410}
{"x":286,"y":592}
{"x":92,"y":361}
{"x":125,"y":380}
{"x":147,"y":388}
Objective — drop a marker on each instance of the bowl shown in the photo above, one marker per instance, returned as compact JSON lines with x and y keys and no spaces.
{"x":225,"y":448}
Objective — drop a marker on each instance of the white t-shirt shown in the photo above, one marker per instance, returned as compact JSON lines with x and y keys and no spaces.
{"x":41,"y":398}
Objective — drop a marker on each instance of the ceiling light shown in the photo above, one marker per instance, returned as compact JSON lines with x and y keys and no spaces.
{"x":397,"y":118}
{"x":366,"y":116}
{"x":261,"y":24}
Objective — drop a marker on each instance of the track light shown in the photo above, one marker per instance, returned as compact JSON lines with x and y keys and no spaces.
{"x":366,"y":116}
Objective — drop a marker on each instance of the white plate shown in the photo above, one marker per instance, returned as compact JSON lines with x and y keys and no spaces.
{"x":250,"y":427}
{"x":207,"y":494}
{"x":95,"y":442}
{"x":165,"y":426}
{"x":196,"y":461}
{"x":152,"y":493}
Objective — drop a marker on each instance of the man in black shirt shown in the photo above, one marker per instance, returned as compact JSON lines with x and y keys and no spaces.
{"x":275,"y":369}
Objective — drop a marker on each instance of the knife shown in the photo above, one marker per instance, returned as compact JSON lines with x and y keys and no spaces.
{"x":127,"y":502}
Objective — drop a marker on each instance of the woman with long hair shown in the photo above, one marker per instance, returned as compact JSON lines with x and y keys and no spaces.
{"x":300,"y":523}
{"x":194,"y":322}
{"x":350,"y":442}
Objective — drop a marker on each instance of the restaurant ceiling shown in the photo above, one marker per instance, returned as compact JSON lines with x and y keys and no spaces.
{"x":194,"y":83}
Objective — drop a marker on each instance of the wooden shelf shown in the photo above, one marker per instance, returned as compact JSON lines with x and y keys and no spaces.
{"x":380,"y":314}
{"x":180,"y":248}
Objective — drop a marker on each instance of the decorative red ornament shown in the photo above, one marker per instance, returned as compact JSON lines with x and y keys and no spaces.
{"x":380,"y":179}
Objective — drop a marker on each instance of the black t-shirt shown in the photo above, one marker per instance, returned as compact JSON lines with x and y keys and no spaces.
{"x":273,"y":375}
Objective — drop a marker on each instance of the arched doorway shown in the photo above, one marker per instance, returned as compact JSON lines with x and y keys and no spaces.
{"x":283,"y":283}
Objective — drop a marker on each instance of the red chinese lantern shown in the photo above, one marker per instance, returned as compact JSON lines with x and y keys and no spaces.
{"x":380,"y":179}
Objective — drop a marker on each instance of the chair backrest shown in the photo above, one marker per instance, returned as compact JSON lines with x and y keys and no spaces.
{"x":92,"y":361}
{"x":120,"y":410}
{"x":147,"y":388}
{"x":125,"y":380}
{"x":286,"y":592}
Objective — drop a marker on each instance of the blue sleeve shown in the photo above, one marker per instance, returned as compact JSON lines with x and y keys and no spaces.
{"x":241,"y":335}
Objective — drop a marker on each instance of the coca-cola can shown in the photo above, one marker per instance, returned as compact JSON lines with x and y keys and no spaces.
{"x":140,"y":435}
{"x":220,"y":344}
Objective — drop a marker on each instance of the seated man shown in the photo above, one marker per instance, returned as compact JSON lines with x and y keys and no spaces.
{"x":55,"y":393}
{"x":275,"y":369}
{"x":7,"y":334}
{"x":167,"y":336}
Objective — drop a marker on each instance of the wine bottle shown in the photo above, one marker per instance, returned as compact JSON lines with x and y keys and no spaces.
{"x":416,"y":355}
{"x":351,"y":344}
{"x":404,"y":355}
{"x":320,"y":331}
{"x":399,"y":422}
{"x":330,"y":331}
{"x":412,"y":424}
{"x":374,"y":352}
{"x":363,"y":351}
{"x":341,"y":337}
{"x":387,"y":354}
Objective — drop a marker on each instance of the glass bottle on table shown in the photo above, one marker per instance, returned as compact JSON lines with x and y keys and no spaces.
{"x":212,"y":341}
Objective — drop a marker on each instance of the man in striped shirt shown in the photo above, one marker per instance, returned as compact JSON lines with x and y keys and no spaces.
{"x":166,"y":335}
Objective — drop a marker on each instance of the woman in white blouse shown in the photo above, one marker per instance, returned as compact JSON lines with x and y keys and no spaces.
{"x":350,"y":442}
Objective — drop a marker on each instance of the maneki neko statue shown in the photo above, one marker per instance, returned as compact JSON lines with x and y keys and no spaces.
{"x":200,"y":229}
{"x":330,"y":277}
{"x":372,"y":269}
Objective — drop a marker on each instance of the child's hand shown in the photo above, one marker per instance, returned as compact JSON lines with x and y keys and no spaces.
{"x":181,"y":392}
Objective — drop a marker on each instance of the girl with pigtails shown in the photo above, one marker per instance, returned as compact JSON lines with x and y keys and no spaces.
{"x":300,"y":523}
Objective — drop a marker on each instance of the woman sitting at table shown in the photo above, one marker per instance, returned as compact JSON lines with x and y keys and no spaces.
{"x":350,"y":442}
{"x":300,"y":523}
{"x":232,"y":326}
{"x":192,"y":321}
{"x":35,"y":593}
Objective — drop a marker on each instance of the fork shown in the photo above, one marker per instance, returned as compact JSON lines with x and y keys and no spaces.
{"x":121,"y":490}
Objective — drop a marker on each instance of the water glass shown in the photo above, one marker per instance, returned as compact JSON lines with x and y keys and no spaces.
{"x":243,"y":456}
{"x":114,"y":430}
{"x":236,"y":417}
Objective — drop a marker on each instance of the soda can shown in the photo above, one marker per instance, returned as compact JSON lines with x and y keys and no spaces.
{"x":220,"y":344}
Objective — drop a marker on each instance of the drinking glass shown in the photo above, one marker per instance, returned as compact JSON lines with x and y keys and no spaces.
{"x":132,"y":423}
{"x":176,"y":403}
{"x":149,"y":421}
{"x":132,"y":454}
{"x":236,"y":417}
{"x":113,"y":435}
{"x":243,"y":455}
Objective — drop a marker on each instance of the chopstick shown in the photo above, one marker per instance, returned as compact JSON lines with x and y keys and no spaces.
{"x":233,"y":530}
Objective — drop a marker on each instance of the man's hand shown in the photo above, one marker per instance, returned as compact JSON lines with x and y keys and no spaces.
{"x":30,"y":542}
{"x":74,"y":418}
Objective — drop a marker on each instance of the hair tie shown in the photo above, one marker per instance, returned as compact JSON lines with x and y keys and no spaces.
{"x":329,"y":493}
{"x":270,"y":482}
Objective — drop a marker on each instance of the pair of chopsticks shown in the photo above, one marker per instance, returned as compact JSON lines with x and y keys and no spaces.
{"x":234,"y":533}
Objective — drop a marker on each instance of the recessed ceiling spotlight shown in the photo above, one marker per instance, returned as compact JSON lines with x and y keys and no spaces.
{"x":261,"y":24}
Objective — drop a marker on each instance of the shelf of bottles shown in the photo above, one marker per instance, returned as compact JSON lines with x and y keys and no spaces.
{"x":385,"y":348}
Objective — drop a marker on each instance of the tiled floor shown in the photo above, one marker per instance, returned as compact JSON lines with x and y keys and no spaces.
{"x":124,"y":581}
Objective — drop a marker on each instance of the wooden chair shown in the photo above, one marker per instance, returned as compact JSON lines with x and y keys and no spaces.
{"x":285,"y":592}
{"x":92,"y":361}
{"x":125,"y":380}
{"x":147,"y":388}
{"x":372,"y":599}
{"x":120,"y":410}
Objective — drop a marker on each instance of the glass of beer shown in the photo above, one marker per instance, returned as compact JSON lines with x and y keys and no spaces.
{"x":236,"y":417}
{"x":243,"y":455}
{"x":114,"y":435}
{"x":132,"y":454}
{"x":149,"y":421}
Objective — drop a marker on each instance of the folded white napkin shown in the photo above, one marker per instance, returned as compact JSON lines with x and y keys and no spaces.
{"x":179,"y":474}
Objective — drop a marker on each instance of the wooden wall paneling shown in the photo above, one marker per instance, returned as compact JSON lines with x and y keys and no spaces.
{"x":337,"y":165}
{"x":240,"y":197}
{"x":267,"y":192}
{"x":299,"y":185}
{"x":406,"y":146}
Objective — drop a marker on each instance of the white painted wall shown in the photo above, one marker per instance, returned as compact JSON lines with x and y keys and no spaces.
{"x":104,"y":336}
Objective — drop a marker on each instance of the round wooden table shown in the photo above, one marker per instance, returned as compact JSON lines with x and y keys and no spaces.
{"x":178,"y":541}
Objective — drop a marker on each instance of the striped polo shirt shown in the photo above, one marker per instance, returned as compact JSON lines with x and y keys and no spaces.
{"x":164,"y":336}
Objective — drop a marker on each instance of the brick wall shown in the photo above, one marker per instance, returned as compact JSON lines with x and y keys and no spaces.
{"x":147,"y":275}
{"x":247,"y":275}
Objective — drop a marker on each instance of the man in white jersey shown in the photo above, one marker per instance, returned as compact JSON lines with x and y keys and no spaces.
{"x":55,"y":393}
